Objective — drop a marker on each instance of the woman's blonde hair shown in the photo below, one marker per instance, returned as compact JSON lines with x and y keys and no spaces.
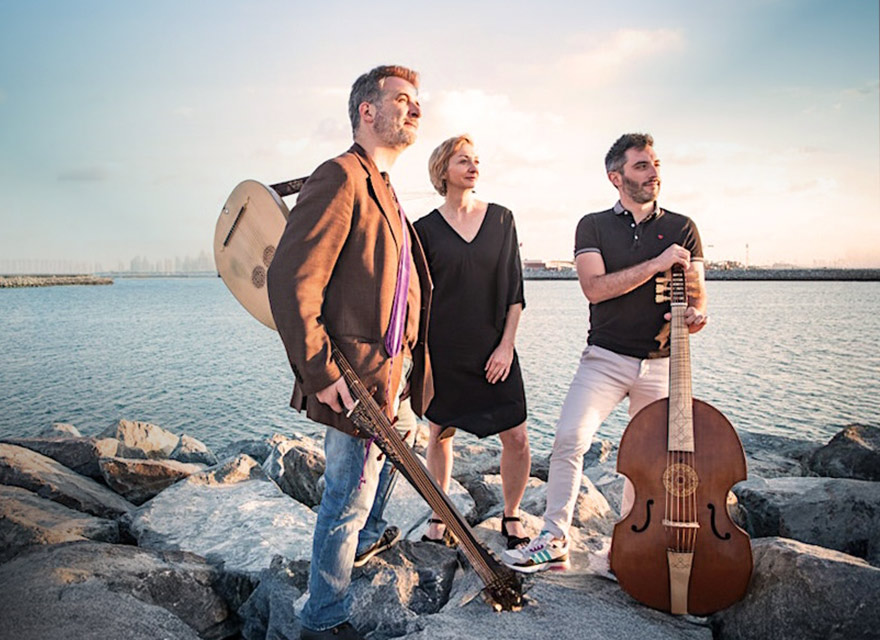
{"x":438,"y":163}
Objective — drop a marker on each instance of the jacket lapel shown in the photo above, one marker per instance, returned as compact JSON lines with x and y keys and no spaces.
{"x":381,"y":193}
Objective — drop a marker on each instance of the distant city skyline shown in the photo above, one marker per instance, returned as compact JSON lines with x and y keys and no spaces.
{"x":201,"y":263}
{"x":204,"y":263}
{"x":124,"y":126}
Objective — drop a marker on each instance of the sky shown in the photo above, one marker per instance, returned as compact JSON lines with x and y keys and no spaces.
{"x":124,"y":126}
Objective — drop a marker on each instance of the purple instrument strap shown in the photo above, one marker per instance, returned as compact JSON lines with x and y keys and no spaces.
{"x":397,"y":325}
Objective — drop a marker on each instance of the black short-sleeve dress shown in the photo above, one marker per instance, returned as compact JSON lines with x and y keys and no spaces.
{"x":474,"y":284}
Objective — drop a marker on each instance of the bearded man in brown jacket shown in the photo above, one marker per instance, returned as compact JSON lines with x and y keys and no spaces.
{"x":349,"y":267}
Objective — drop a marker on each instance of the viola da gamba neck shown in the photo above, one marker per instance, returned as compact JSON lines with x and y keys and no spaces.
{"x":681,"y":417}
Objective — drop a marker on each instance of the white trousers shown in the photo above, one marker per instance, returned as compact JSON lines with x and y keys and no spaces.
{"x":602,"y":381}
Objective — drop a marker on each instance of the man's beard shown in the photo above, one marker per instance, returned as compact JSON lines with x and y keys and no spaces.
{"x":640,"y":193}
{"x":393,"y":133}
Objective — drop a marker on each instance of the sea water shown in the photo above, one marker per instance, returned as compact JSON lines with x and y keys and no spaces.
{"x":796,"y":359}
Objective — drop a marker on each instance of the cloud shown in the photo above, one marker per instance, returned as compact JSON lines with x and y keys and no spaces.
{"x":692,"y":154}
{"x":184,"y":112}
{"x":866,"y":90}
{"x":607,"y":58}
{"x":819,"y":101}
{"x":331,"y":91}
{"x":497,"y":125}
{"x":333,"y":130}
{"x":292,"y":148}
{"x":84,"y":174}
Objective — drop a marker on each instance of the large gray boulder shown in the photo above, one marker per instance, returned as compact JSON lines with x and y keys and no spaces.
{"x":194,"y":451}
{"x":852,"y":453}
{"x":268,"y":614}
{"x":805,"y":592}
{"x":601,"y":451}
{"x":608,"y":482}
{"x":26,"y":519}
{"x":405,"y":582}
{"x":488,"y":495}
{"x":256,"y":448}
{"x":835,"y":513}
{"x":773,"y":456}
{"x":44,"y":476}
{"x":91,"y":590}
{"x":391,"y":590}
{"x":60,"y":429}
{"x":230,"y":513}
{"x":154,"y":441}
{"x":77,"y":453}
{"x":475,"y":457}
{"x":296,"y":465}
{"x":140,"y":480}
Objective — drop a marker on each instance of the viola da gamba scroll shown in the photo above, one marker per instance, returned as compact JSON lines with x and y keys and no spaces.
{"x":677,"y":550}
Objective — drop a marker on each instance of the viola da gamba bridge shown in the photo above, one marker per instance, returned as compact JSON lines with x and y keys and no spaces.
{"x":677,"y":550}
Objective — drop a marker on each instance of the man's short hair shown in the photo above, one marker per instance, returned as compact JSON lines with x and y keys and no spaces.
{"x":368,"y":88}
{"x":616,"y":156}
{"x":438,"y":163}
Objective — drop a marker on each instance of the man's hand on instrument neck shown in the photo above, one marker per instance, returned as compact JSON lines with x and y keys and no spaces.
{"x":694,"y":318}
{"x":673,"y":254}
{"x":336,"y":396}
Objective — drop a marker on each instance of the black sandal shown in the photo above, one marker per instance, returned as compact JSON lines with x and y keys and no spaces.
{"x":447,"y":539}
{"x":513,"y":542}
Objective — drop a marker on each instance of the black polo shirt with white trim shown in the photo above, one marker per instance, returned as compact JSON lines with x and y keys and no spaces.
{"x":631,"y":324}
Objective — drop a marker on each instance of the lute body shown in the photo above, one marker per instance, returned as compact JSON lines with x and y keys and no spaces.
{"x":248,"y":230}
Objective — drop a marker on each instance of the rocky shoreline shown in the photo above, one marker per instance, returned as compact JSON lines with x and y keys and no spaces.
{"x":14,"y":282}
{"x":139,"y":533}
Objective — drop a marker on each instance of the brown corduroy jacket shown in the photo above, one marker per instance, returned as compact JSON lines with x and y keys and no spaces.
{"x":333,"y":276}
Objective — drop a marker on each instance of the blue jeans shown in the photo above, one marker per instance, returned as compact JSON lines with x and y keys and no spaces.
{"x":350,"y":509}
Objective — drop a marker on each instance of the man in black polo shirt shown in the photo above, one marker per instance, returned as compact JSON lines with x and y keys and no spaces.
{"x":618,"y":254}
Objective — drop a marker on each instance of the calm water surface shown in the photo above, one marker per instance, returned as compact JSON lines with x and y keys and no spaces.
{"x":787,"y":358}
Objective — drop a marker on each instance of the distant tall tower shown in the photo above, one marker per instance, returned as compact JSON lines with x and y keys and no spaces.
{"x":747,"y":255}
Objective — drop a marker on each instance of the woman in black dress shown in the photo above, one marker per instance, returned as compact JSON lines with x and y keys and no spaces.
{"x":473,"y":256}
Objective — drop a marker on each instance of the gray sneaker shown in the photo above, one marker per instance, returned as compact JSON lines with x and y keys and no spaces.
{"x":542,"y":553}
{"x":385,"y":541}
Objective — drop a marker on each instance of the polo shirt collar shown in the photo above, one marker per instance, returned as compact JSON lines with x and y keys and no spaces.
{"x":619,"y":209}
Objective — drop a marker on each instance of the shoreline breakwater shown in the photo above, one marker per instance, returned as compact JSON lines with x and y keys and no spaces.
{"x":15,"y":282}
{"x":840,"y":275}
{"x":529,"y":273}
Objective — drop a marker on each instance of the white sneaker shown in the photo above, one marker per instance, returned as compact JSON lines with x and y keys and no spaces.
{"x":542,"y":553}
